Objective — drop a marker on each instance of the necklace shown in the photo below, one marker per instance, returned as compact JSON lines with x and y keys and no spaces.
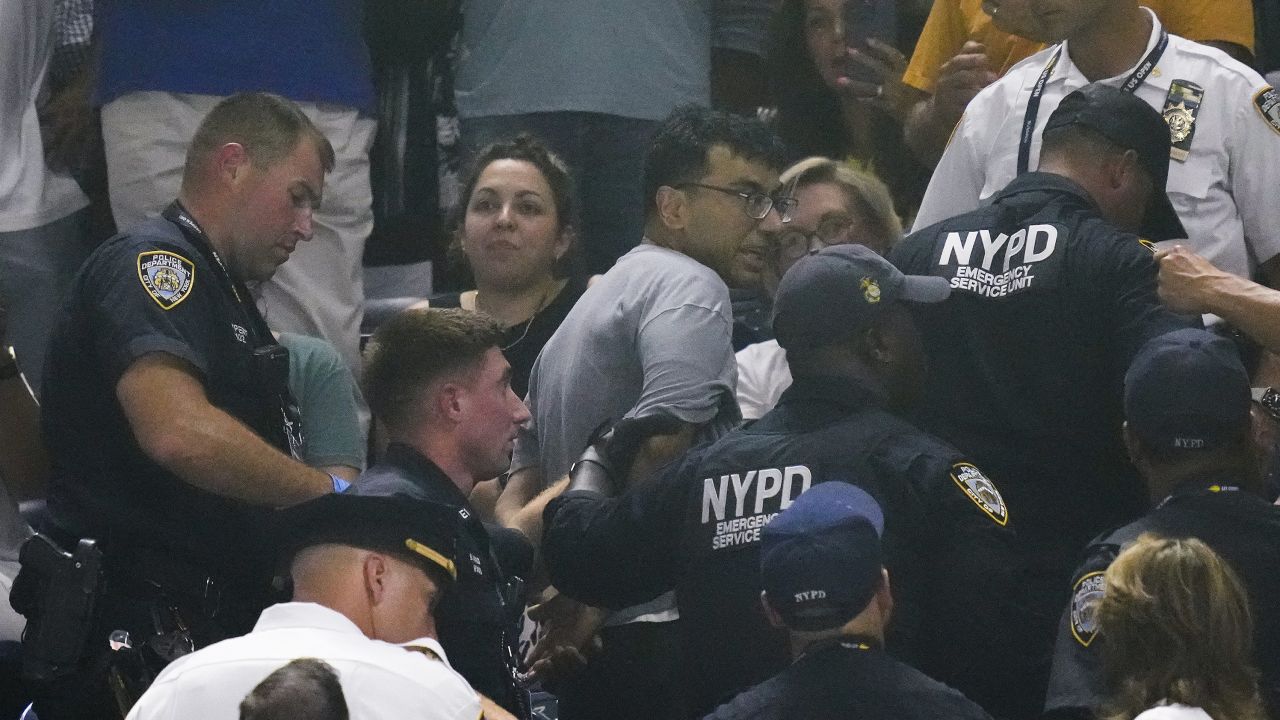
{"x":547,"y":296}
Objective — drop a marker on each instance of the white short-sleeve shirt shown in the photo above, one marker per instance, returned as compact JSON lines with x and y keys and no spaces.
{"x":1224,"y":191}
{"x":379,"y":680}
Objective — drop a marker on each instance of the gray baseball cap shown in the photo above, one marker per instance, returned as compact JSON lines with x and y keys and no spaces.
{"x":827,"y":296}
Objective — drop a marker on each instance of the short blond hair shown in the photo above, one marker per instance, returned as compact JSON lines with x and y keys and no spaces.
{"x":867,"y":194}
{"x":1176,"y":627}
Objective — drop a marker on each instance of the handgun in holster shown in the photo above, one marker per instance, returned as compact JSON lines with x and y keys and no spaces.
{"x":56,"y":591}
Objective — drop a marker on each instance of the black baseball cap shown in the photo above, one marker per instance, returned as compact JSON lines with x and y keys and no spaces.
{"x":820,"y":558}
{"x":827,"y":296}
{"x":421,"y":532}
{"x":1131,"y":123}
{"x":1187,"y":390}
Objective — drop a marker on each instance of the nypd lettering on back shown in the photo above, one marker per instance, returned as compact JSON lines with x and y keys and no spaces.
{"x":993,"y":265}
{"x":740,"y":504}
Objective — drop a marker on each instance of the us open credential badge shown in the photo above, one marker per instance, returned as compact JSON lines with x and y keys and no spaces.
{"x":1267,"y":100}
{"x":167,"y":277}
{"x":981,"y":491}
{"x":1180,"y":109}
{"x":1085,"y":597}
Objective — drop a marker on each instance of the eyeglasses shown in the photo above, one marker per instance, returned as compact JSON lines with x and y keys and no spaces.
{"x":795,"y":243}
{"x":758,"y":204}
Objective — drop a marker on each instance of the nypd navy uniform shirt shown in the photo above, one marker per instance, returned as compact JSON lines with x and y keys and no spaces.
{"x":476,"y":617}
{"x":696,"y":528}
{"x":850,"y":678}
{"x":1238,"y":525}
{"x":1027,"y":357}
{"x":155,"y":289}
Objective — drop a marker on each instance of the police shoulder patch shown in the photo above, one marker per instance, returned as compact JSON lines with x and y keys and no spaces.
{"x":1267,"y":100}
{"x":981,"y":491}
{"x":1085,"y":596}
{"x":166,"y":276}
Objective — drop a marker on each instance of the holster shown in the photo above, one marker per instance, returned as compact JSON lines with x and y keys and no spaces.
{"x":56,"y":591}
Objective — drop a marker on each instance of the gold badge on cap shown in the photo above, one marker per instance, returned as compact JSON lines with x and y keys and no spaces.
{"x":870,"y":290}
{"x":1180,"y":109}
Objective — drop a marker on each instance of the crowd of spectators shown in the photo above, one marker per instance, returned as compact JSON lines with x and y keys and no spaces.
{"x":776,"y":358}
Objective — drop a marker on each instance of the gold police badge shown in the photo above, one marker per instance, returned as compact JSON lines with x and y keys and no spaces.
{"x":166,"y":276}
{"x":1180,"y":109}
{"x":870,"y":290}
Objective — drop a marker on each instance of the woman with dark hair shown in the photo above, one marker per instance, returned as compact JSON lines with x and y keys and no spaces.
{"x":1177,"y":635}
{"x":514,"y":232}
{"x":823,"y":111}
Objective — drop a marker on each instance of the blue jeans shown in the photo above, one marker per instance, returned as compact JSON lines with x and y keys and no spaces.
{"x":606,"y":156}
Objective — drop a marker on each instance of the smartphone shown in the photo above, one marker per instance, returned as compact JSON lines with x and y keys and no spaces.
{"x":864,"y":20}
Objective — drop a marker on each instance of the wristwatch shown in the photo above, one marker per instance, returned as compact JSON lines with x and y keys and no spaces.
{"x":1269,"y":399}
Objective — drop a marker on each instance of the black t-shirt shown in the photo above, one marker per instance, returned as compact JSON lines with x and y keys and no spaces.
{"x":1240,"y":526}
{"x":695,"y":528}
{"x":849,"y":679}
{"x":1027,"y":357}
{"x":522,"y":342}
{"x":156,"y":289}
{"x":476,"y":616}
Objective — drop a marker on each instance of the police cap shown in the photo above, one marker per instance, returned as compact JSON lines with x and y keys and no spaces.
{"x":1187,"y":390}
{"x":827,"y":296}
{"x":418,"y":531}
{"x":820,"y":558}
{"x":1132,"y":124}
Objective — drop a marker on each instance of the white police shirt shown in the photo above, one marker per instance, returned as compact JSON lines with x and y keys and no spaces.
{"x":1224,"y":192}
{"x":379,"y":680}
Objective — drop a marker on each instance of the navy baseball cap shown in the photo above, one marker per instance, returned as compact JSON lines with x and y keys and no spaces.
{"x":827,"y":296}
{"x":1187,"y":390}
{"x":1130,"y":123}
{"x":820,"y":558}
{"x":418,"y":531}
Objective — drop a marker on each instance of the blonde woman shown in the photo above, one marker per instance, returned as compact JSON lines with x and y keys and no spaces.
{"x":1178,"y":635}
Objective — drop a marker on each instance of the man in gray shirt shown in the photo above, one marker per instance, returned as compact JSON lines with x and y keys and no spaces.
{"x":652,"y":337}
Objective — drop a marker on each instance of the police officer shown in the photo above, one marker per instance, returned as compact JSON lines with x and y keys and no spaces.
{"x":824,"y":584}
{"x":437,"y":381}
{"x":1051,"y":296}
{"x":855,"y":356}
{"x":1187,"y":427}
{"x":367,"y":572}
{"x":1222,"y":117}
{"x":166,"y":410}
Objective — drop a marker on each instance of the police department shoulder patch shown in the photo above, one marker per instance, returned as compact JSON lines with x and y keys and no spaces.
{"x":1267,"y":100}
{"x":166,"y":276}
{"x":1085,"y":597}
{"x":981,"y":491}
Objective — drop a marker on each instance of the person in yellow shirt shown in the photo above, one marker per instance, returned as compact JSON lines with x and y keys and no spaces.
{"x":967,"y":44}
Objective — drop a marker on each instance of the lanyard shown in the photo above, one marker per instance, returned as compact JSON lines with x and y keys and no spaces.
{"x":1215,"y":488}
{"x":178,"y":215}
{"x":1131,"y":85}
{"x":861,"y":644}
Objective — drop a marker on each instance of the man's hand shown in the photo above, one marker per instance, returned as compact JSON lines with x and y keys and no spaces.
{"x":1187,"y":281}
{"x":567,"y":635}
{"x":959,"y":80}
{"x":887,"y":92}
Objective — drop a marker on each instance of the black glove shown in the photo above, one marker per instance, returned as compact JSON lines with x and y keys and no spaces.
{"x":612,"y":450}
